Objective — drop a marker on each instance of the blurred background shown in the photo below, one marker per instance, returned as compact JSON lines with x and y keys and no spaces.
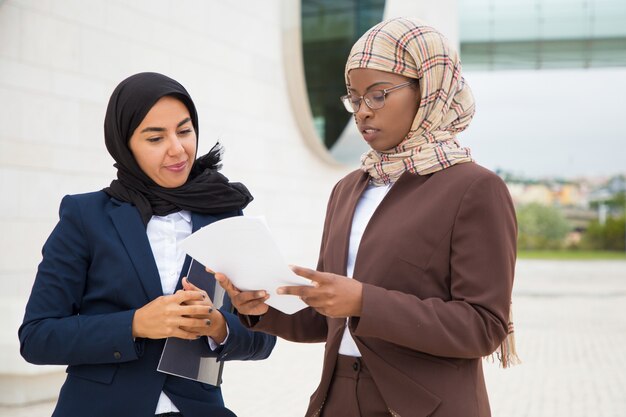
{"x":549,"y":77}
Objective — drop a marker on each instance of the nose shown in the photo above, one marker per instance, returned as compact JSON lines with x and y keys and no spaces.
{"x":363,"y":113}
{"x":175,"y":146}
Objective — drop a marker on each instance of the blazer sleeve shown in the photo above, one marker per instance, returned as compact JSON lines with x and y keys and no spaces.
{"x":482,"y":260}
{"x":53,"y":331}
{"x":243,"y":344}
{"x":305,"y":326}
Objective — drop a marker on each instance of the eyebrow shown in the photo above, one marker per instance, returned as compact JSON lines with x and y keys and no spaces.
{"x":162,"y":129}
{"x":373,"y":85}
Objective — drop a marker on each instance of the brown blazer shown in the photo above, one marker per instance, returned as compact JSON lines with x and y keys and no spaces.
{"x":437,"y":261}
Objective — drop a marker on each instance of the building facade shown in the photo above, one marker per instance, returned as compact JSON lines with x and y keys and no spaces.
{"x":242,"y":63}
{"x":541,"y":71}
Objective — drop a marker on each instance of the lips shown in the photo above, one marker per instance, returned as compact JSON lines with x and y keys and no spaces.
{"x":177,"y":167}
{"x":369,"y":133}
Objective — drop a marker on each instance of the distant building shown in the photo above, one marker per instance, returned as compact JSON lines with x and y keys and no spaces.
{"x":531,"y":193}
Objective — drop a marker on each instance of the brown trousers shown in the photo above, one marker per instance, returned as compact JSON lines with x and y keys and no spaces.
{"x":352,"y":392}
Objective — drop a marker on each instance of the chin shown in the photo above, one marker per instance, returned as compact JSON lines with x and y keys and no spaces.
{"x":178,"y":184}
{"x":172,"y":184}
{"x":381,"y":149}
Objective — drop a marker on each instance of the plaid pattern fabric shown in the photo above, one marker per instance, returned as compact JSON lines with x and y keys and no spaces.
{"x":415,"y":50}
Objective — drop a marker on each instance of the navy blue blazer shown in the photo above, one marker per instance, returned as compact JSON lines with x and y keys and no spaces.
{"x":97,"y":269}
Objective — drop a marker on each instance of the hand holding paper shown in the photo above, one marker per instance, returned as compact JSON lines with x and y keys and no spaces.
{"x":331,"y":295}
{"x":250,"y":303}
{"x":243,"y":249}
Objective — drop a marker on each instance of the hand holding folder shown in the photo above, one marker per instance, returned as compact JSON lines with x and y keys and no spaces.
{"x":193,"y":359}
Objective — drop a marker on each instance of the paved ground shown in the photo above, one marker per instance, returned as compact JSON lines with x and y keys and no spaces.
{"x":571,"y":334}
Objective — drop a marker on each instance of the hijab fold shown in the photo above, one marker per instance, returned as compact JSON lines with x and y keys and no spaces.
{"x":410,"y":48}
{"x":206,"y":191}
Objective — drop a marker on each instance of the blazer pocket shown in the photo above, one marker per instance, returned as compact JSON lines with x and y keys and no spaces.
{"x":404,"y":275}
{"x":431,"y":358}
{"x":103,"y":374}
{"x":412,"y":259}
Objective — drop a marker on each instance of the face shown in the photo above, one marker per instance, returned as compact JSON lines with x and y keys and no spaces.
{"x":164,"y":144}
{"x":385,"y":128}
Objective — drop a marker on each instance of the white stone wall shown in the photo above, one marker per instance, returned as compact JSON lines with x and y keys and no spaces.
{"x":60,"y":61}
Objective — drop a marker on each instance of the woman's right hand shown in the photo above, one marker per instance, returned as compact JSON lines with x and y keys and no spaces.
{"x":250,"y":303}
{"x":164,"y":316}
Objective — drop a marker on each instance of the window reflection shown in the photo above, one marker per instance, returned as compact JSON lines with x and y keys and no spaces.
{"x":517,"y":34}
{"x":329,"y":29}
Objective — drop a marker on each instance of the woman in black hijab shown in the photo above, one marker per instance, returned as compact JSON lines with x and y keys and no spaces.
{"x":108,"y":291}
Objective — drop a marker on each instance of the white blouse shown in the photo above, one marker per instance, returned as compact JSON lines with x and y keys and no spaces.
{"x":165,"y":233}
{"x":365,"y":208}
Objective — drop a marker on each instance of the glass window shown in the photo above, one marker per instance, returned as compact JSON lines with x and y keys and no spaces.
{"x":329,"y":29}
{"x":519,"y":34}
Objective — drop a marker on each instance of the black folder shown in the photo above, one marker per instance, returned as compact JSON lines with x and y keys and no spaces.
{"x":194,"y":359}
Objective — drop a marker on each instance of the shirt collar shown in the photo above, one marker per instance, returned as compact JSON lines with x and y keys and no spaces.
{"x":186,"y":215}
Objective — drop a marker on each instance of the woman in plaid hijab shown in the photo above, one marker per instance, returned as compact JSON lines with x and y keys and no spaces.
{"x":414,"y":279}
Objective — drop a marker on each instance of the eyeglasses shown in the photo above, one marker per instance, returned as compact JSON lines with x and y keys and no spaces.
{"x":374,"y":99}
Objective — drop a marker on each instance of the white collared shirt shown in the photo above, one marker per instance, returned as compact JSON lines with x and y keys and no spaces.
{"x":365,"y":208}
{"x":165,"y":233}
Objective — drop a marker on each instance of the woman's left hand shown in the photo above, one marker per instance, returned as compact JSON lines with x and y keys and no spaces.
{"x":331,"y":295}
{"x":215,"y":323}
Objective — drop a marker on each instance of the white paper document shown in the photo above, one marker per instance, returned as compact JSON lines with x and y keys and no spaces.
{"x":244,"y":250}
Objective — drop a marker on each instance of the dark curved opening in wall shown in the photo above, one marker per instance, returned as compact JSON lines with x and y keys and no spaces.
{"x":329,"y":29}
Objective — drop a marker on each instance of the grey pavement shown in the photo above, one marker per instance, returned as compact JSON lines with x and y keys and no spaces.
{"x":570,"y":319}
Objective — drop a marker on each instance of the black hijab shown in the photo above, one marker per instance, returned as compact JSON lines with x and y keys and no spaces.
{"x":206,"y":190}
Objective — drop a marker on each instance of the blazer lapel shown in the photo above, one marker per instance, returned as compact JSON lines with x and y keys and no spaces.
{"x":198,"y":221}
{"x":402,"y":187}
{"x":338,"y":243}
{"x":342,"y":225}
{"x":129,"y":226}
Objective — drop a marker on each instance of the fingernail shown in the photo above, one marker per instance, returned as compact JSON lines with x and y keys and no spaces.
{"x":280,"y":291}
{"x":208,"y":322}
{"x":210,"y":310}
{"x":260,"y":294}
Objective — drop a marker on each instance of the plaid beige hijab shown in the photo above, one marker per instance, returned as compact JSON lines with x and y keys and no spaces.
{"x":415,"y":50}
{"x":410,"y":48}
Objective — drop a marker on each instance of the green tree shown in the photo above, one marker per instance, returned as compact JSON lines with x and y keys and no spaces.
{"x":541,"y":227}
{"x":610,"y":236}
{"x":617,"y":202}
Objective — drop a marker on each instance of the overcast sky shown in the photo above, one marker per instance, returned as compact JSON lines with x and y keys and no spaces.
{"x":549,"y":123}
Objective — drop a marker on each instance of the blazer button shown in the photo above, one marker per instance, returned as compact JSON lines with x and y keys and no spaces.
{"x":355,"y":366}
{"x":117,"y":355}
